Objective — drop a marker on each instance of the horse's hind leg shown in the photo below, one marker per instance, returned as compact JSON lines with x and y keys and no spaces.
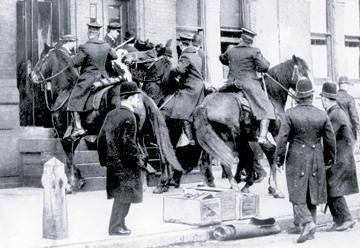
{"x":206,"y":170}
{"x":269,"y":151}
{"x":75,"y":180}
{"x":163,"y":185}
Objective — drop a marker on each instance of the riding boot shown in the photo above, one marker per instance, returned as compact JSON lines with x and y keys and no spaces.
{"x":78,"y":129}
{"x":264,"y":125}
{"x":187,"y":127}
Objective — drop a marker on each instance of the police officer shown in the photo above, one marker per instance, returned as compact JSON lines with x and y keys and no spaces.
{"x":113,"y":33}
{"x":120,"y":154}
{"x":311,"y":140}
{"x":342,"y":179}
{"x":196,"y":42}
{"x":244,"y":61}
{"x":112,"y":38}
{"x":91,"y":58}
{"x":347,"y":103}
{"x":130,"y":46}
{"x":191,"y":86}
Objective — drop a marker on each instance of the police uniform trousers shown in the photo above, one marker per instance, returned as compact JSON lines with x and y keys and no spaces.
{"x":119,"y":211}
{"x":339,"y":209}
{"x":304,"y":213}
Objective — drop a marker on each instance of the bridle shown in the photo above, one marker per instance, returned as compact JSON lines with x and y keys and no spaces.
{"x":37,"y":70}
{"x":295,"y":76}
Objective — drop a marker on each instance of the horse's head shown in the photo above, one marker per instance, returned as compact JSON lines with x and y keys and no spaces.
{"x":300,"y":69}
{"x":36,"y":74}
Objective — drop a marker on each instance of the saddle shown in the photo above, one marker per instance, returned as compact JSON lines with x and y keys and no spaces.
{"x":95,"y":99}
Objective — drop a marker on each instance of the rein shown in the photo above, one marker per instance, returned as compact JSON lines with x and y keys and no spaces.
{"x":44,"y":80}
{"x":295,"y":73}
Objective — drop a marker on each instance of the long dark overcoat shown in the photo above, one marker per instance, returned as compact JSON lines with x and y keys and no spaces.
{"x":304,"y":127}
{"x":342,"y":178}
{"x":191,"y":86}
{"x":120,"y":154}
{"x":91,"y":57}
{"x":347,"y":103}
{"x":244,"y":61}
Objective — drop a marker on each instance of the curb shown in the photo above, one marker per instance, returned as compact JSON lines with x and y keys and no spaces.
{"x":201,"y":234}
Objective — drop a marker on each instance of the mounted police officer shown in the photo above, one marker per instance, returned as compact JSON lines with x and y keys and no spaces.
{"x":311,"y":140}
{"x":191,"y":86}
{"x":341,"y":178}
{"x":130,"y":46}
{"x":113,"y":33}
{"x":91,"y":58}
{"x":244,"y":62}
{"x":347,"y":103}
{"x":196,"y":42}
{"x":112,"y":38}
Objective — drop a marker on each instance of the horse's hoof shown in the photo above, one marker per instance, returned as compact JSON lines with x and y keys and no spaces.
{"x":275,"y":193}
{"x":68,"y":189}
{"x":279,"y":195}
{"x":81,"y":183}
{"x":271,"y":190}
{"x":260,"y":178}
{"x":245,"y":190}
{"x":160,"y":189}
{"x":211,"y":184}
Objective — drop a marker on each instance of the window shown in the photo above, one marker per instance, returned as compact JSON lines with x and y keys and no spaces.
{"x":320,"y":39}
{"x":352,"y":38}
{"x":114,"y":13}
{"x":190,"y":18}
{"x":352,"y":54}
{"x":230,"y":25}
{"x":93,"y":13}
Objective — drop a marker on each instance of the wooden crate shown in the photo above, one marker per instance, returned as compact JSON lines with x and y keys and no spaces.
{"x":247,"y":205}
{"x":228,"y":201}
{"x":200,"y":212}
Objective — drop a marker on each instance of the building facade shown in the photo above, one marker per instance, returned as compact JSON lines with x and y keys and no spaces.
{"x":325,"y":33}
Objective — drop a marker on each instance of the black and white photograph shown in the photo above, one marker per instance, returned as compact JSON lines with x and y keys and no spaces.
{"x":179,"y":123}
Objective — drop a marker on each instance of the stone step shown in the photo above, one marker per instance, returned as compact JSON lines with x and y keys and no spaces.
{"x":86,"y":157}
{"x":92,"y":170}
{"x":33,"y":145}
{"x":10,"y":182}
{"x":94,"y":184}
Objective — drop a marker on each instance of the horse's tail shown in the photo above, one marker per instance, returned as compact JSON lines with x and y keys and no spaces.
{"x":162,"y":133}
{"x":210,"y":141}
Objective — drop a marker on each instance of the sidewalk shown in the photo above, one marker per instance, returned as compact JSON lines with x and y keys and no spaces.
{"x":88,"y":215}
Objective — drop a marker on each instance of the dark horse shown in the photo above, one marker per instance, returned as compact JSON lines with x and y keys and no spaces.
{"x":222,"y":127}
{"x":56,"y":89}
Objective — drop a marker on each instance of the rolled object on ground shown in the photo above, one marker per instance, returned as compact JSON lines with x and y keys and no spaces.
{"x":244,"y":231}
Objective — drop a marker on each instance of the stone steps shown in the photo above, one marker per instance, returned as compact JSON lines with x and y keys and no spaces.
{"x":36,"y":151}
{"x":10,"y":182}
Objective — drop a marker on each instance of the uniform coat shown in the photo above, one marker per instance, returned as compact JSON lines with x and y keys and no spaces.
{"x":244,"y":61}
{"x":91,"y":58}
{"x":191,"y":86}
{"x":120,"y":154}
{"x":347,"y":103}
{"x":62,"y":84}
{"x":342,"y":178}
{"x":304,"y":127}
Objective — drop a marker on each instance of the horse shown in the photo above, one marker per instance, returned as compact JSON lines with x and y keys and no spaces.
{"x":49,"y":66}
{"x":152,"y":71}
{"x":222,"y":126}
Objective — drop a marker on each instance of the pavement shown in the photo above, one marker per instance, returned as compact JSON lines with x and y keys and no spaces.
{"x":89,"y":212}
